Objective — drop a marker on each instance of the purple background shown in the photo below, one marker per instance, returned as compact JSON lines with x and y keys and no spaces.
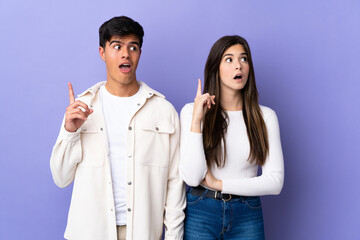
{"x":306,"y":56}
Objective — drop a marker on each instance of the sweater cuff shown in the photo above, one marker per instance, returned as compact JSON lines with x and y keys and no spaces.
{"x":225,"y":186}
{"x":195,"y":135}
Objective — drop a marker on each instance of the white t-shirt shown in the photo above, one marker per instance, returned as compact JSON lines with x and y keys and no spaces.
{"x":117,"y":113}
{"x":238,"y":175}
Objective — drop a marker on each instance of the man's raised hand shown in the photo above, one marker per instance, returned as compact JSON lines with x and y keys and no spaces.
{"x":75,"y":116}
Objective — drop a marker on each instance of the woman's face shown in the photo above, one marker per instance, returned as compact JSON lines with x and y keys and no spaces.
{"x":234,"y":69}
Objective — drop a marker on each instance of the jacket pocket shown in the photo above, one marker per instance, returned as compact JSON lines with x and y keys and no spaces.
{"x":159,"y":126}
{"x":89,"y":126}
{"x":92,"y":149}
{"x":154,"y":142}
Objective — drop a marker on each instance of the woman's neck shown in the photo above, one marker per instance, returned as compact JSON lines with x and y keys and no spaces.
{"x":231,"y":101}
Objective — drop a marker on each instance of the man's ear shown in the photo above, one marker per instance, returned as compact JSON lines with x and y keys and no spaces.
{"x":102,"y":53}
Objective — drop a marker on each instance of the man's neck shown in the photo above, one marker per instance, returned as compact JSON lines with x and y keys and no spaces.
{"x":122,"y":90}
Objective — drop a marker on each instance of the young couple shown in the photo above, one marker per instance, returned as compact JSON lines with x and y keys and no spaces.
{"x":120,"y":144}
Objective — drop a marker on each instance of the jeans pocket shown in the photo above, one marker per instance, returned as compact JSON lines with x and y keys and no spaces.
{"x":191,"y":199}
{"x":253,"y":202}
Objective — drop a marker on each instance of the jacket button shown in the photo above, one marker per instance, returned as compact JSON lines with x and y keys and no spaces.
{"x":101,"y":129}
{"x":112,"y":210}
{"x":130,"y":128}
{"x":138,"y":104}
{"x":84,"y":129}
{"x":157,"y":129}
{"x":129,"y":209}
{"x":129,"y":156}
{"x":129,"y":183}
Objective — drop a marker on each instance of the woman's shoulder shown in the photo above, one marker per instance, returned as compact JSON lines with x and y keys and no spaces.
{"x":187,"y":109}
{"x":267,"y":112}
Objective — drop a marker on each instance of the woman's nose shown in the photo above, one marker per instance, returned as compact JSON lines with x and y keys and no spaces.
{"x":238,"y":65}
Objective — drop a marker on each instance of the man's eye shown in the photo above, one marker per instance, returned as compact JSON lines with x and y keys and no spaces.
{"x":133,"y":48}
{"x":228,"y":60}
{"x":117,"y":47}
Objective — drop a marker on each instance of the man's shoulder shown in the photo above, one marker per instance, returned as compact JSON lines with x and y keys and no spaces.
{"x":157,"y":98}
{"x":157,"y":106}
{"x":162,"y":103}
{"x":92,"y":90}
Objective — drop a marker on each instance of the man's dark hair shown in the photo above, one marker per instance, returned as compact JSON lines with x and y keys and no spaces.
{"x":120,"y":26}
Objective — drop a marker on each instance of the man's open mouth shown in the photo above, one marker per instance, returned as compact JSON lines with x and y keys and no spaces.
{"x":125,"y":66}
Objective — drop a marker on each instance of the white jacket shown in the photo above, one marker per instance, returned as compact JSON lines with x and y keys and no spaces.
{"x":155,"y":193}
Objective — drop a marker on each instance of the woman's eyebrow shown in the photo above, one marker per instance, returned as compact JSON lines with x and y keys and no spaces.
{"x":230,"y":54}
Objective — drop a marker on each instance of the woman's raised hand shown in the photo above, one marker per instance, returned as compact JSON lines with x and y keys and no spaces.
{"x":75,"y":116}
{"x":202,"y":102}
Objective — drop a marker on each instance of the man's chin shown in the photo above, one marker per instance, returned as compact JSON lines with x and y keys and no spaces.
{"x":126,"y":81}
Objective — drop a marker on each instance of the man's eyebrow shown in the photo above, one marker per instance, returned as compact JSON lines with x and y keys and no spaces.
{"x":135,"y":42}
{"x":230,"y":54}
{"x":116,"y":41}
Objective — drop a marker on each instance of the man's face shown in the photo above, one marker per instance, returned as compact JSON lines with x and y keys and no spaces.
{"x":121,"y":56}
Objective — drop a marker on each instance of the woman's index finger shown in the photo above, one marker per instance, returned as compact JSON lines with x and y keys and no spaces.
{"x":198,"y":93}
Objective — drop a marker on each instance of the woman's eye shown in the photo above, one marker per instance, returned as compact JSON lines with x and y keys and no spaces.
{"x":133,"y":48}
{"x":228,"y":60}
{"x":244,"y":59}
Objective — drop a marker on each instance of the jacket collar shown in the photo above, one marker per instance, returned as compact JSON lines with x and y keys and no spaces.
{"x":146,"y":90}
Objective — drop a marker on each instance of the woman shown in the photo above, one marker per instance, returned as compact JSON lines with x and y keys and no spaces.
{"x":225,"y":136}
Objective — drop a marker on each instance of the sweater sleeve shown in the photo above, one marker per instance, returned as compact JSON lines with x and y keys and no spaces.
{"x":272,"y":178}
{"x":192,"y":156}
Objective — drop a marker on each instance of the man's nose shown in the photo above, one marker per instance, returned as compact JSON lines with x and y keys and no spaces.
{"x":125,"y":53}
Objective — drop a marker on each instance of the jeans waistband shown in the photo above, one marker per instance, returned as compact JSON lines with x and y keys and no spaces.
{"x":199,"y":191}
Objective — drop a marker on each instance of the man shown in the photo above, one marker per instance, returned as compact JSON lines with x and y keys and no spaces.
{"x":119,"y":143}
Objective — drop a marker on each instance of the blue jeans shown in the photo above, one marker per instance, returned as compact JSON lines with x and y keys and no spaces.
{"x":208,"y":218}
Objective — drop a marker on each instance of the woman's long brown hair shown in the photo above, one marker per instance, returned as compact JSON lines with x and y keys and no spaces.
{"x":216,"y":119}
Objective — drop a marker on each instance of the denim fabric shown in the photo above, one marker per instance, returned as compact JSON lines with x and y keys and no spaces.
{"x":208,"y":218}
